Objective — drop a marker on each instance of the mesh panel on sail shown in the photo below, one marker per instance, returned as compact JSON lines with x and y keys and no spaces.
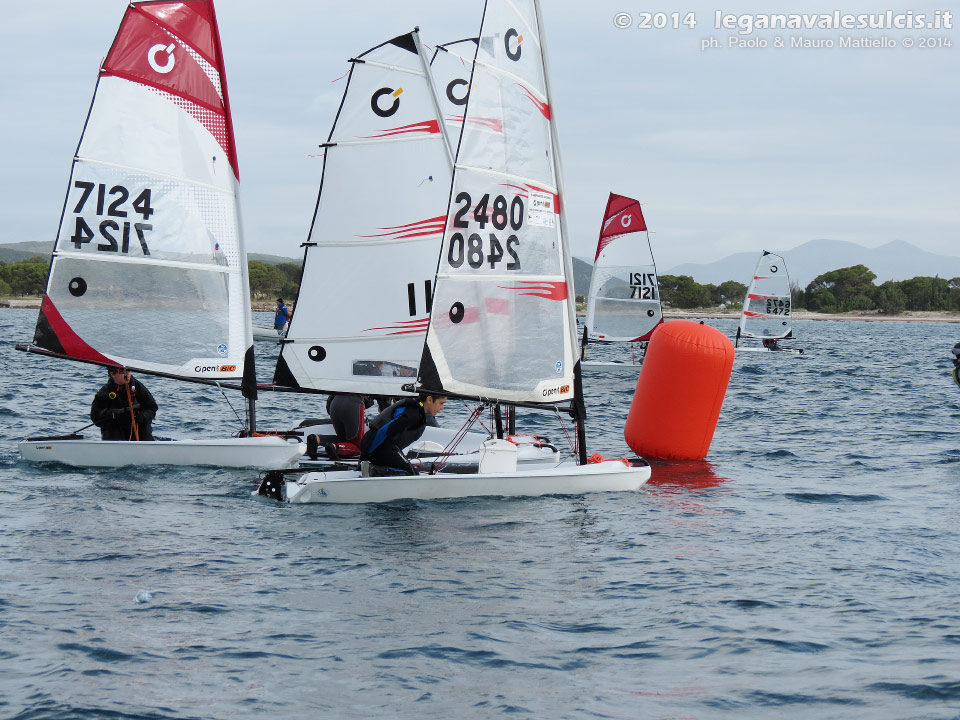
{"x":160,"y":315}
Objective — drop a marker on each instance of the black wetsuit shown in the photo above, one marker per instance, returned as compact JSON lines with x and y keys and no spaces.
{"x":390,"y":432}
{"x":346,"y":414}
{"x":956,"y":363}
{"x":110,"y":411}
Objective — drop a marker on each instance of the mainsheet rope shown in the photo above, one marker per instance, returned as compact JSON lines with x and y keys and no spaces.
{"x":438,"y":465}
{"x":134,"y":428}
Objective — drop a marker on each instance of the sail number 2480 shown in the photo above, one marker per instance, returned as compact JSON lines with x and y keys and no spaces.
{"x":472,"y":247}
{"x":112,"y":202}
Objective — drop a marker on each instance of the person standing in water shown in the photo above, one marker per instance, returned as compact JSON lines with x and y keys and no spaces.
{"x":281,"y":318}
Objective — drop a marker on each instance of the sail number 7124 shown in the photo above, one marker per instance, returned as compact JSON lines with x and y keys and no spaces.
{"x":98,"y":199}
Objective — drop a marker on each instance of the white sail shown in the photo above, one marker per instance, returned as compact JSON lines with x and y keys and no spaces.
{"x":502,"y":320}
{"x":451,"y":66}
{"x":367,"y":284}
{"x":766,"y":307}
{"x":624,"y":300}
{"x":148,"y":267}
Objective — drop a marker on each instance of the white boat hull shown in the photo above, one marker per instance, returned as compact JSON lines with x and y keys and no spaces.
{"x":265,"y":333}
{"x":435,"y":439}
{"x":790,"y":351}
{"x":598,"y":367}
{"x":348,"y":487}
{"x":255,"y":452}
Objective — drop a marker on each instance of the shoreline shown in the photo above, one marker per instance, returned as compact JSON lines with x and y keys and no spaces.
{"x":907,"y":316}
{"x":910,"y":316}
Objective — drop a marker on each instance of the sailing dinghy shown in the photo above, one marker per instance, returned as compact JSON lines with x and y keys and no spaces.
{"x":501,"y":324}
{"x":396,"y":146}
{"x":623,"y":305}
{"x":767,"y":307}
{"x":149,"y":269}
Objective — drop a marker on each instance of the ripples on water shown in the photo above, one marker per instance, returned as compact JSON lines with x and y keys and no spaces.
{"x":808,"y":569}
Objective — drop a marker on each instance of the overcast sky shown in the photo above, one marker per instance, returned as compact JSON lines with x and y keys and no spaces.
{"x":728,"y":149}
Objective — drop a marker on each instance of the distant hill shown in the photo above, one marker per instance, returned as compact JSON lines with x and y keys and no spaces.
{"x":273,"y":259}
{"x":897,"y":260}
{"x":582,"y":272}
{"x":18,"y":252}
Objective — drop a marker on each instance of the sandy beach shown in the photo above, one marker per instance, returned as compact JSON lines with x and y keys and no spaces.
{"x":911,"y":316}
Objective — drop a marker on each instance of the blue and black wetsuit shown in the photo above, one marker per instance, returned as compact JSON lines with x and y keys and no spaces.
{"x":390,"y":432}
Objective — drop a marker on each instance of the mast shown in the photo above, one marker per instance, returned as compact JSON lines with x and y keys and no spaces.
{"x":578,"y":408}
{"x":433,"y":94}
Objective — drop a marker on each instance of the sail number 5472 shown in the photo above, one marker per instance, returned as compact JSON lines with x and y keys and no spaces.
{"x":777,"y":306}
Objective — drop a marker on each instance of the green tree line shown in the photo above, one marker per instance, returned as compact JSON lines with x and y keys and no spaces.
{"x":837,"y":291}
{"x":29,"y":277}
{"x":843,"y":290}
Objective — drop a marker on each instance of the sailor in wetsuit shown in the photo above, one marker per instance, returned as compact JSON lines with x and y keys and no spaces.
{"x":771,"y":344}
{"x":347,"y":415}
{"x":114,"y":402}
{"x":956,"y":363}
{"x":394,"y":429}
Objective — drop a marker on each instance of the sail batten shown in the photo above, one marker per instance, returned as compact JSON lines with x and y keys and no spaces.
{"x":230,"y":191}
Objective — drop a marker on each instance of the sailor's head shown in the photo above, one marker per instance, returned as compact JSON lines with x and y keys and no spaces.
{"x":280,"y":301}
{"x":119,"y":375}
{"x":432,"y":404}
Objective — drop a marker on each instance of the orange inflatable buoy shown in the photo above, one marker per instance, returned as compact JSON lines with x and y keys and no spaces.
{"x":680,"y":391}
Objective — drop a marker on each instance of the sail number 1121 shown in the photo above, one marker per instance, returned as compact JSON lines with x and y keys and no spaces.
{"x":643,"y":286}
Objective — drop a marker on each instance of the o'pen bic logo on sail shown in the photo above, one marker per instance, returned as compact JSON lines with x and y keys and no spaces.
{"x":388,"y":111}
{"x":169,"y":60}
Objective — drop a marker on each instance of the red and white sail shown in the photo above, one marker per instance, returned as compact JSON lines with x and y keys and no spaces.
{"x":624,"y":300}
{"x":767,"y":307}
{"x":367,"y":284}
{"x":502,"y":320}
{"x":149,"y":268}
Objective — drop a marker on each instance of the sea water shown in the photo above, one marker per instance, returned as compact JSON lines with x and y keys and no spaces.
{"x":808,"y":569}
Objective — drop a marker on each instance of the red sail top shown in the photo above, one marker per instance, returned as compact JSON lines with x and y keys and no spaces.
{"x":622,"y":216}
{"x":175,"y":48}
